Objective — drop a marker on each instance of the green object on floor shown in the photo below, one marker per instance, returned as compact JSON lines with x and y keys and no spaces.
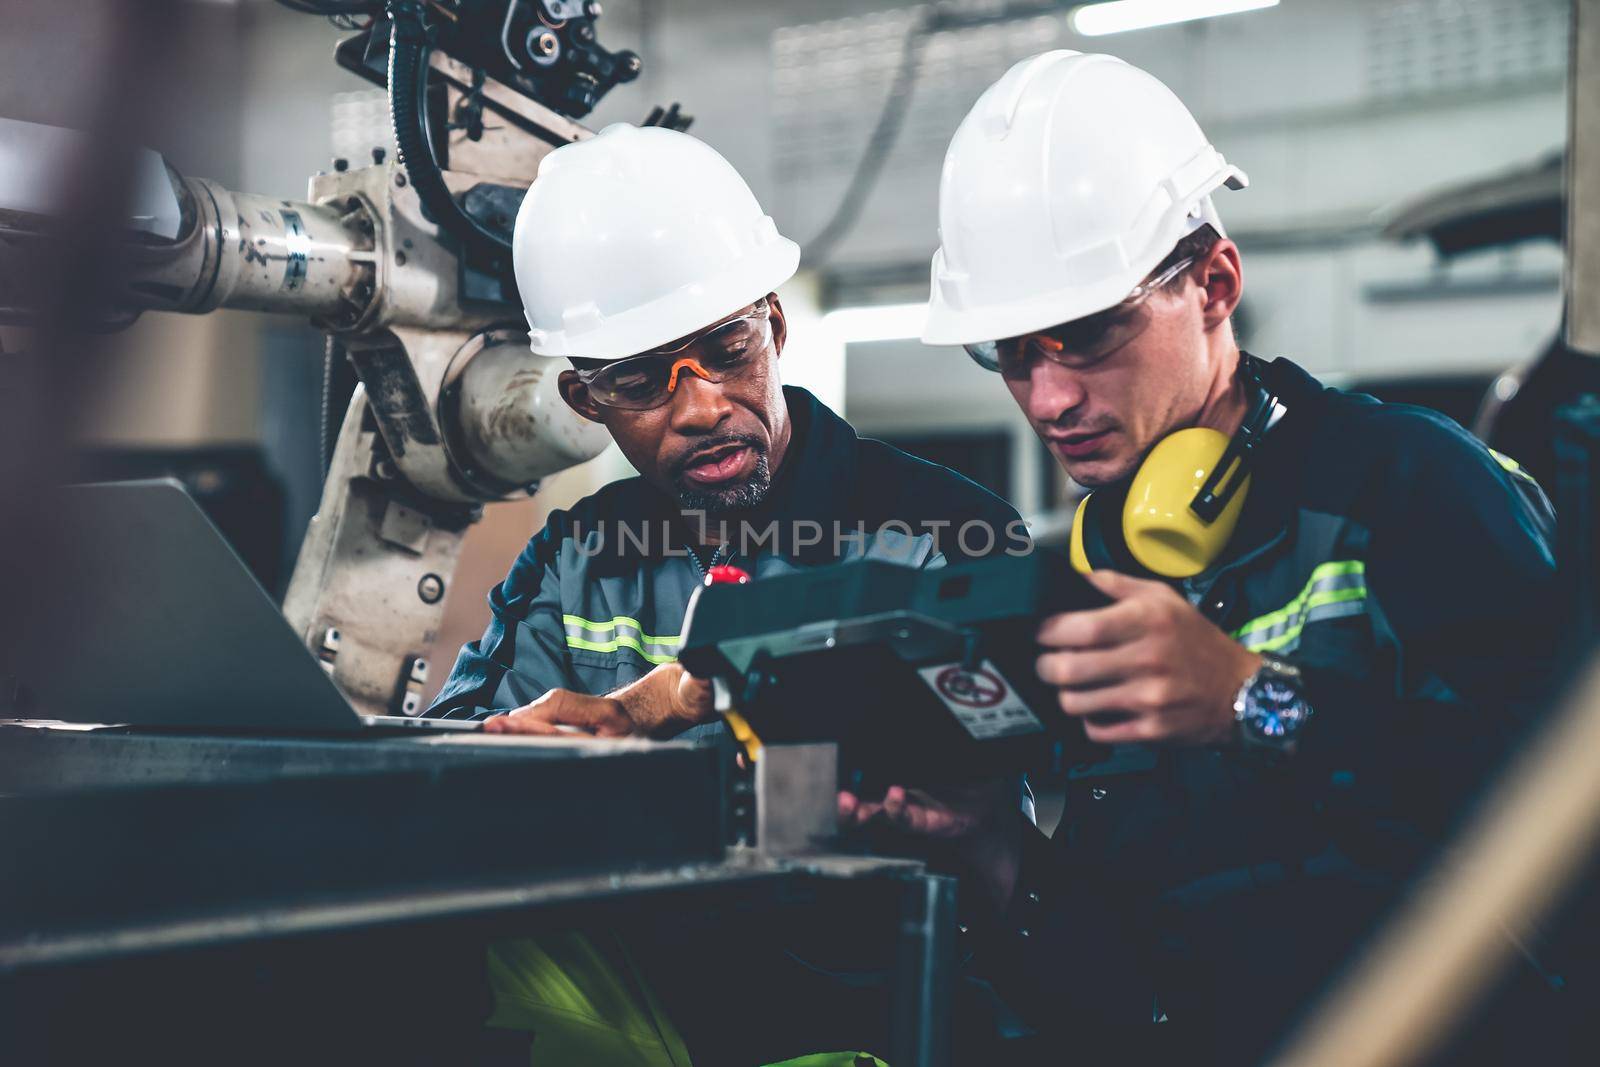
{"x":582,"y":1007}
{"x":588,"y":1004}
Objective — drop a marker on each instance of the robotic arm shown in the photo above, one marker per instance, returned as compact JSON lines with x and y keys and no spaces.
{"x":407,"y":263}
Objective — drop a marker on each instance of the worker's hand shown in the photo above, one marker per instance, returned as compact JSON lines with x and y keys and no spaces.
{"x":978,"y":826}
{"x":663,"y":703}
{"x":956,"y":813}
{"x":692,"y":703}
{"x":667,"y":701}
{"x":579,"y":713}
{"x":1148,"y":668}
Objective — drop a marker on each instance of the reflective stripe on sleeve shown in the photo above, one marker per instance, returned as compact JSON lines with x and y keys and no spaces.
{"x":619,"y":633}
{"x":1336,"y":590}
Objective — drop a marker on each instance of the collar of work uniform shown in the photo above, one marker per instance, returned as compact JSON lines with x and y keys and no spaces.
{"x":816,"y":482}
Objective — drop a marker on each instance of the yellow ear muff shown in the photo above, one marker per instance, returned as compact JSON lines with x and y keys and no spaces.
{"x":1075,"y":552}
{"x":1162,"y":533}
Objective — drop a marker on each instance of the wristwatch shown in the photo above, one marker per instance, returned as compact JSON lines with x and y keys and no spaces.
{"x":1271,"y":707}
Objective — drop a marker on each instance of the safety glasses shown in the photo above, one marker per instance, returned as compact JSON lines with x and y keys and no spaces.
{"x":1081,"y":342}
{"x":720,"y":354}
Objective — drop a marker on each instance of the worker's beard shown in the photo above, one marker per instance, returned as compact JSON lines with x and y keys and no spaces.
{"x":745,"y":495}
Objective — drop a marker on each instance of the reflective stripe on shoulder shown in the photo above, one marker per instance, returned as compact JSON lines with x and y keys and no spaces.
{"x":617,"y":634}
{"x":1512,"y":466}
{"x":1337,"y":589}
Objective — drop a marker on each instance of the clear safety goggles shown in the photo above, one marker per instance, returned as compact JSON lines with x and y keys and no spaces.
{"x":1081,"y":342}
{"x":722,"y":353}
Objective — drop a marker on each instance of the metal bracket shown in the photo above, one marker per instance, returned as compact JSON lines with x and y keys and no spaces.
{"x":411,"y":683}
{"x":368,"y":589}
{"x":797,"y":789}
{"x":329,"y":650}
{"x":405,"y":528}
{"x":971,"y":651}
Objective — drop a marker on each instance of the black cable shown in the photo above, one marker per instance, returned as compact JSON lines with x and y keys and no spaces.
{"x":330,"y":352}
{"x":408,"y":111}
{"x":338,"y":386}
{"x":869,"y":168}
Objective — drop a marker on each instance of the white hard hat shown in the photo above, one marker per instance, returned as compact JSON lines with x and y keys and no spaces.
{"x":636,"y":237}
{"x":1070,"y":179}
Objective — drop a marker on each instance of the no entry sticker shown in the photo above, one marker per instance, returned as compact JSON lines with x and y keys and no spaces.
{"x":981,"y":700}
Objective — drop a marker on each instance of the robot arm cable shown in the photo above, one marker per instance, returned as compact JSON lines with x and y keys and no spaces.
{"x":408,"y":87}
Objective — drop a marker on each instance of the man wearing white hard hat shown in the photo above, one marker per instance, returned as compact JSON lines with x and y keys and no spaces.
{"x":1325,"y":609}
{"x":648,"y":272}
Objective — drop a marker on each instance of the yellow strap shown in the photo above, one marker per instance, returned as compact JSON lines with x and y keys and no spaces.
{"x":743,"y":734}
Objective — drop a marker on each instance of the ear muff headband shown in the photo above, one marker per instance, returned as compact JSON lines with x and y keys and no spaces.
{"x":1231,"y":471}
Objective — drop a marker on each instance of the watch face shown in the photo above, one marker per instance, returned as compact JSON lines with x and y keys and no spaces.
{"x":1276,"y":711}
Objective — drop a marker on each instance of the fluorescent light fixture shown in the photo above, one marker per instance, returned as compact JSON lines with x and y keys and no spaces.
{"x":884,"y":322}
{"x":1120,"y":16}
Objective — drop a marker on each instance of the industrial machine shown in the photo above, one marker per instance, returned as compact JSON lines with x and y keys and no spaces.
{"x":405,"y":263}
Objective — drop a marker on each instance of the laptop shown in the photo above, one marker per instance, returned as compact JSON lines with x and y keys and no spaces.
{"x":145,"y":616}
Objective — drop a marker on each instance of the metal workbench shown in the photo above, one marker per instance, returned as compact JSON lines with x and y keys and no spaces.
{"x":235,"y":899}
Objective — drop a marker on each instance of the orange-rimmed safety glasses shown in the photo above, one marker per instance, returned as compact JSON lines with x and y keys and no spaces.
{"x":719,"y":354}
{"x":1081,"y":342}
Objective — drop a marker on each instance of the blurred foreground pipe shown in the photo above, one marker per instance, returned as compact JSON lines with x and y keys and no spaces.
{"x":1539,"y":824}
{"x":1534,"y":831}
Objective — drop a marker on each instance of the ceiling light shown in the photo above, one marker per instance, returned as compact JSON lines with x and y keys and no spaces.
{"x":1119,"y":16}
{"x":882,"y":322}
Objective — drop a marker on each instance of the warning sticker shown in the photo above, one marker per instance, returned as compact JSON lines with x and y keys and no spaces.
{"x":982,"y":700}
